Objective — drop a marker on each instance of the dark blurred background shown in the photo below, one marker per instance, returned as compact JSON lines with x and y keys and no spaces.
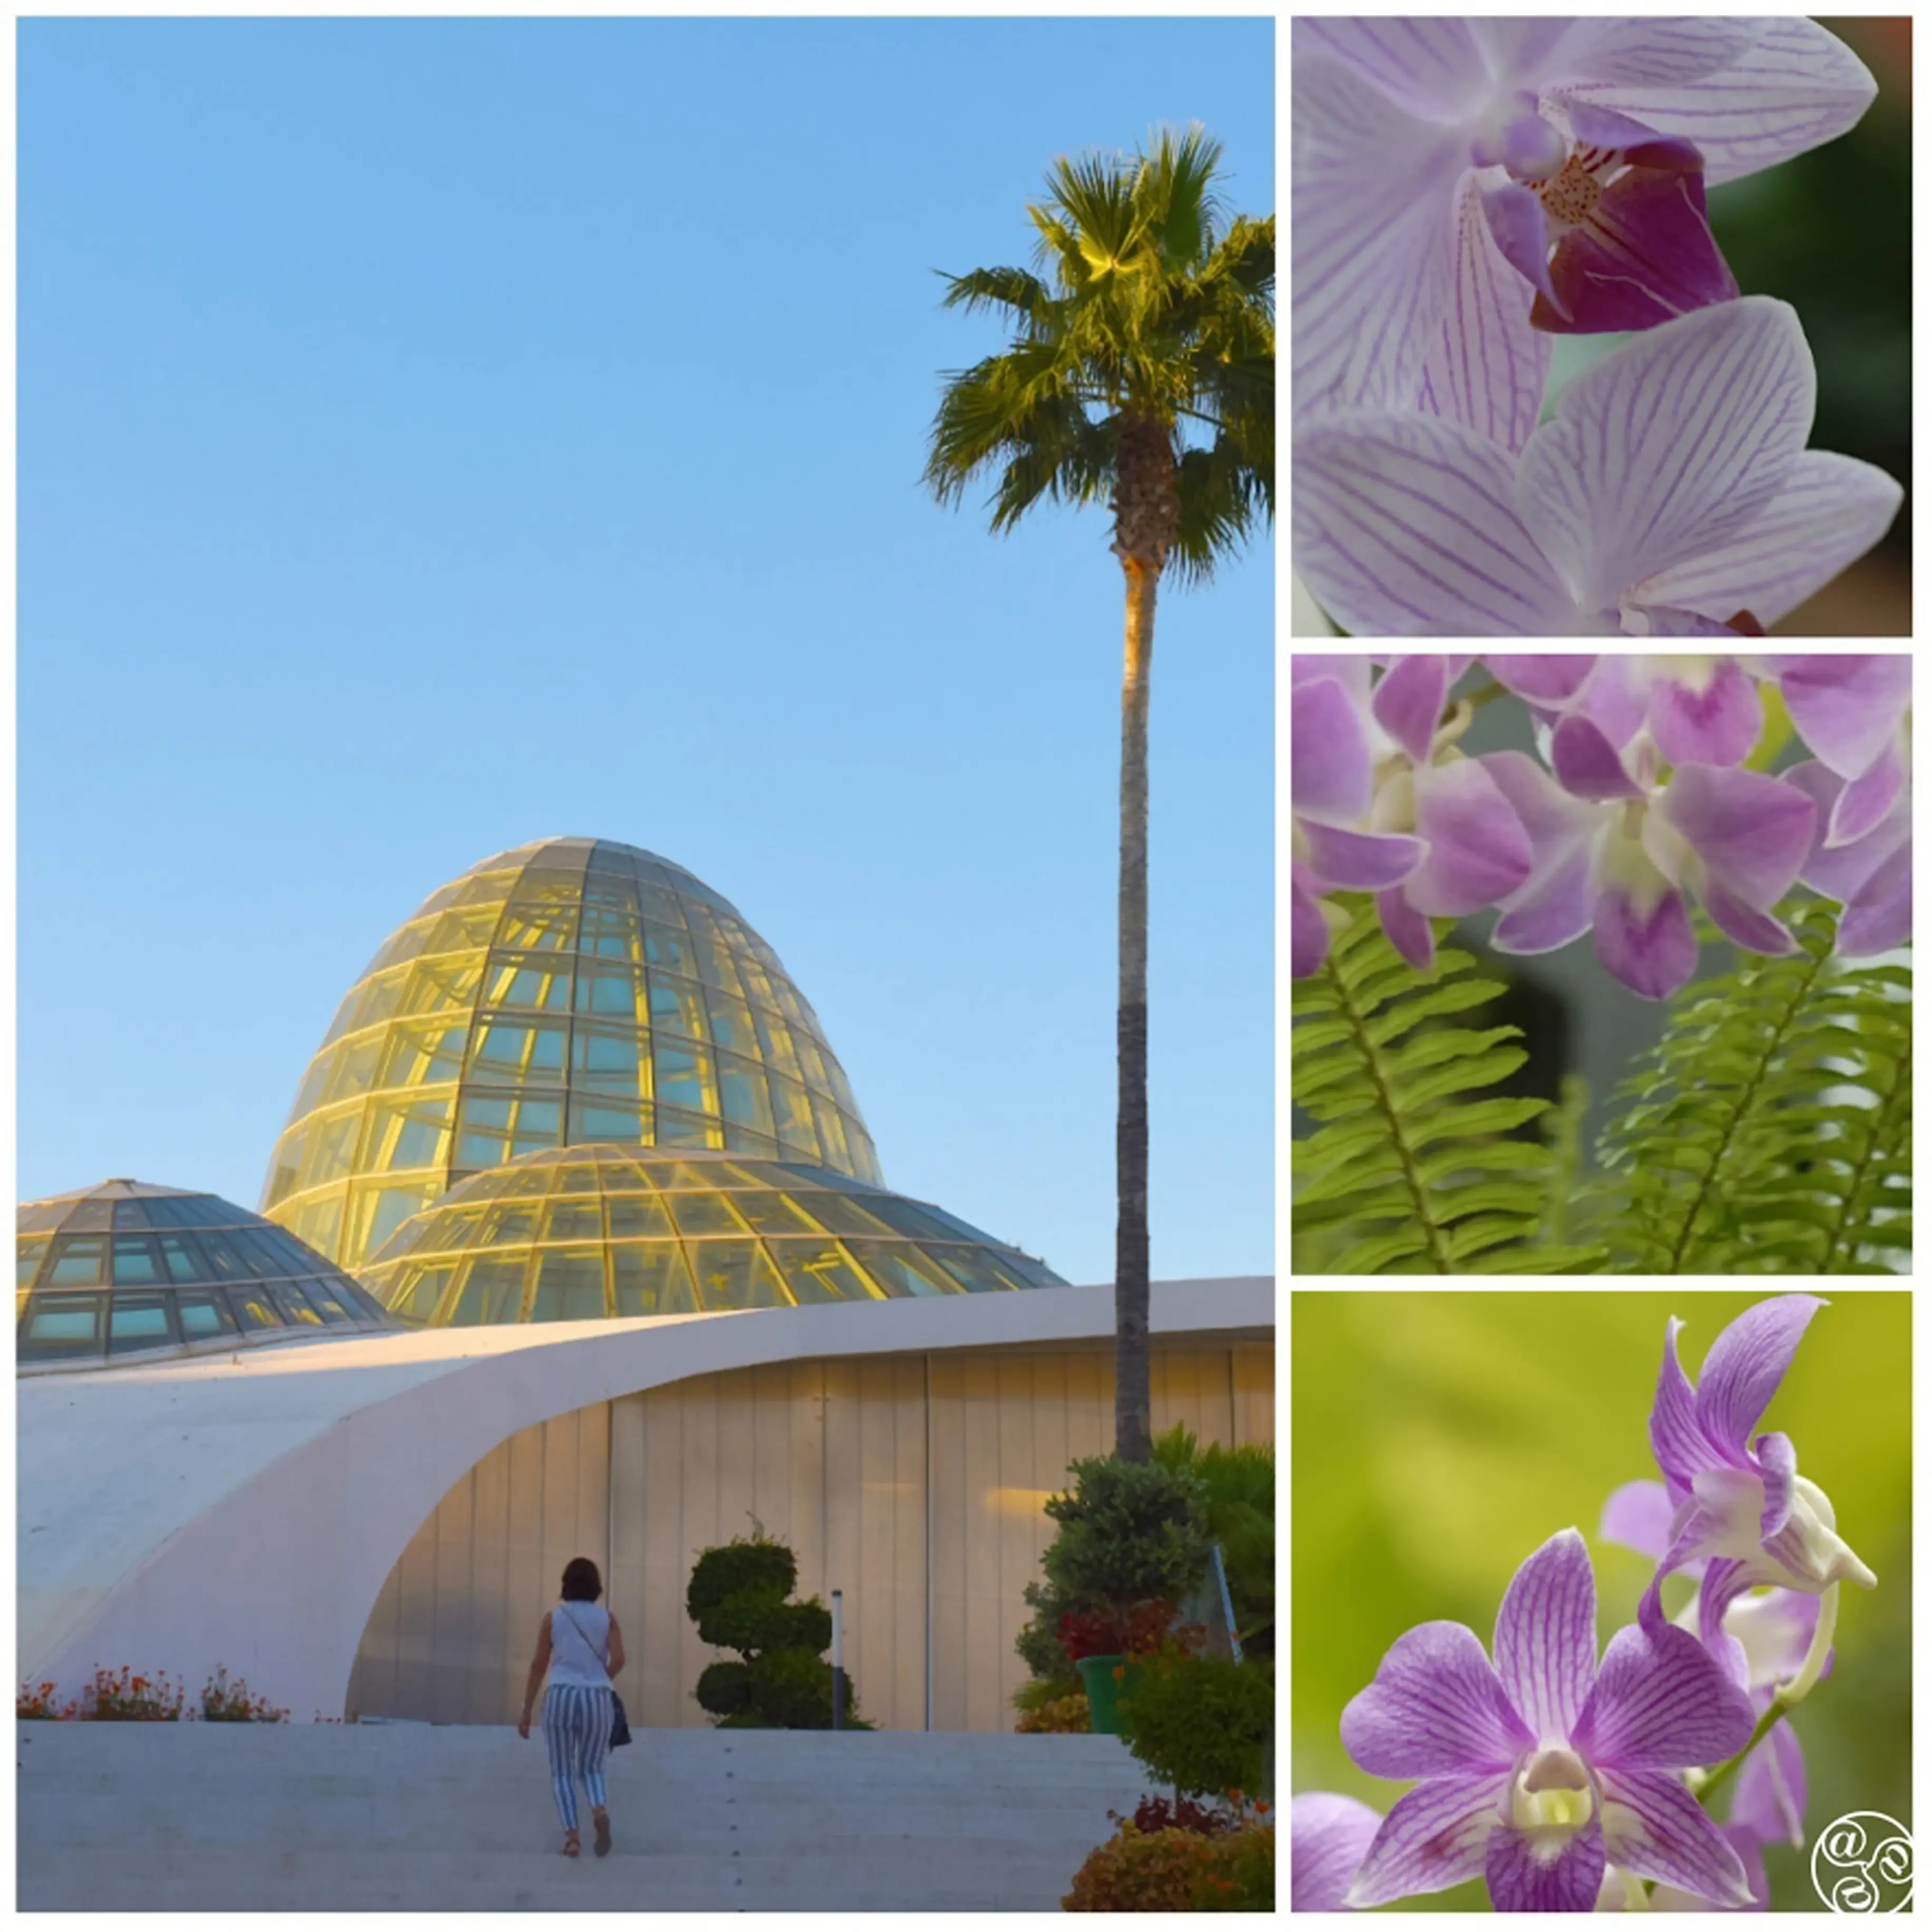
{"x":1830,"y":233}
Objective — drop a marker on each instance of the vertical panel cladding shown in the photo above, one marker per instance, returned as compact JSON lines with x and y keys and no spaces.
{"x":1254,"y":1392}
{"x":833,"y":1458}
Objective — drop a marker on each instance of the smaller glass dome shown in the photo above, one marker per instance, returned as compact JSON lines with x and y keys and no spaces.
{"x":126,"y":1269}
{"x":579,"y":1232}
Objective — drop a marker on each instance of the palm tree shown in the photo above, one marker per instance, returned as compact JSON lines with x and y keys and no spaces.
{"x":1140,"y":374}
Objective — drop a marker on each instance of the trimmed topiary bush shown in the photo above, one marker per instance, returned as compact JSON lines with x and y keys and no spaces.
{"x":1200,"y":1723}
{"x":782,"y":1680}
{"x":1128,"y":1532}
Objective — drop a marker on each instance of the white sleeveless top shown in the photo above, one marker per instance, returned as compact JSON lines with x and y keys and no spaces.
{"x":580,"y":1641}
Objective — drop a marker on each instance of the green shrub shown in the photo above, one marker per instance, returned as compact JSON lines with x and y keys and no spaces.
{"x":724,"y":1689}
{"x":1200,"y":1723}
{"x":1128,"y":1531}
{"x":1241,"y":1877}
{"x":1058,"y":1717}
{"x":1036,"y":1693}
{"x":1239,"y":1484}
{"x":780,"y":1680}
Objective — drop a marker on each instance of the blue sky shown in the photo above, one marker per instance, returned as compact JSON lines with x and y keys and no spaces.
{"x":437,"y":435}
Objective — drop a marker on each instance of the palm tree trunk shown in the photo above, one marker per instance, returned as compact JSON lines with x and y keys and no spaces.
{"x":1133,"y":1422}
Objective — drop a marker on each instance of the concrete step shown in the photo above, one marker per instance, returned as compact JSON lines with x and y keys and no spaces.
{"x":350,"y":1818}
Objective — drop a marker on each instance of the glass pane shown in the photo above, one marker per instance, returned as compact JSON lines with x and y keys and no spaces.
{"x":493,"y":1291}
{"x":510,"y":1222}
{"x":791,"y":1116}
{"x":39,"y":1217}
{"x":570,"y":1286}
{"x":496,"y":1128}
{"x":974,"y":1267}
{"x":809,"y":1062}
{"x":713,"y":955}
{"x":64,"y":1325}
{"x":130,"y":1214}
{"x":610,"y":1062}
{"x":635,"y":1214}
{"x":202,"y":1316}
{"x":615,"y":992}
{"x":684,"y":1077}
{"x":521,"y":1052}
{"x":608,"y":1120}
{"x":820,"y":1271}
{"x":252,"y":1310}
{"x":677,"y":1128}
{"x":443,"y":985}
{"x":707,"y":1212}
{"x":574,"y":1219}
{"x":770,"y":1213}
{"x":379,"y":1212}
{"x":284,"y":1168}
{"x":414,"y":1293}
{"x":663,"y":908}
{"x":731,"y":1025}
{"x":775,"y":1041}
{"x":670,"y":948}
{"x":743,"y":1095}
{"x":331,"y":1147}
{"x":651,"y":1279}
{"x":138,"y":1322}
{"x":408,"y":1133}
{"x":27,"y":1257}
{"x":353,"y":1069}
{"x":319,"y":1223}
{"x":463,"y":929}
{"x":834,"y":1152}
{"x":261,"y":1255}
{"x":88,"y":1216}
{"x":538,"y":928}
{"x":529,"y":985}
{"x":224,"y":1261}
{"x":418,"y":1053}
{"x":736,"y":1274}
{"x":294,"y":1306}
{"x":610,"y":934}
{"x":900,"y":1269}
{"x":677,"y":1006}
{"x":78,"y":1262}
{"x":136,"y":1261}
{"x":328,"y":1303}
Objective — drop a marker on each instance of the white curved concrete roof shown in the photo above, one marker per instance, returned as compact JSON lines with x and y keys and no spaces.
{"x":246,"y":1511}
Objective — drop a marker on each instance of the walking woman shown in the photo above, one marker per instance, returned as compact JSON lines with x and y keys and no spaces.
{"x":581,"y":1648}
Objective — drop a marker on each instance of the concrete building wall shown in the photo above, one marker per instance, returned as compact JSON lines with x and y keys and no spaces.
{"x":914,"y":1483}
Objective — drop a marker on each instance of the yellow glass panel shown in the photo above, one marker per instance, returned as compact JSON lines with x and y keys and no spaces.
{"x":418,"y":1052}
{"x":538,"y":929}
{"x":651,"y":1278}
{"x":669,"y":948}
{"x":677,"y":1006}
{"x":613,"y":990}
{"x":706,"y":1211}
{"x":737,"y":1274}
{"x":319,"y":1223}
{"x":353,"y":1069}
{"x":332,"y":1147}
{"x":376,"y":1210}
{"x":823,"y":1271}
{"x":408,"y":1133}
{"x":444,"y":985}
{"x":791,"y":1112}
{"x":744,"y":1096}
{"x":520,"y":1051}
{"x":684,"y":1077}
{"x":836,"y":1154}
{"x":610,"y":1059}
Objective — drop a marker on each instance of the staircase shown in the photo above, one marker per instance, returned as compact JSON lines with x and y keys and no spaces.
{"x":367,"y":1817}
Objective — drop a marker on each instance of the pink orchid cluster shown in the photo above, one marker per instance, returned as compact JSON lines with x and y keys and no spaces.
{"x":1463,"y":190}
{"x":1641,"y":801}
{"x":1570,"y":1784}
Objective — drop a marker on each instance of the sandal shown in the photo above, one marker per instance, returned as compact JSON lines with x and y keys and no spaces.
{"x":603,"y":1823}
{"x":571,"y":1846}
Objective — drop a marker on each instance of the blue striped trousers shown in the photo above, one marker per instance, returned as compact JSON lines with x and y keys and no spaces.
{"x":576,"y":1719}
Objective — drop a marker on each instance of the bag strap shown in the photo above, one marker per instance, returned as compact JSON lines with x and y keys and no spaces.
{"x":604,"y":1660}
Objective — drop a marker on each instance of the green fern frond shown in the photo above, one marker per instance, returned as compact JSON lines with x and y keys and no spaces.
{"x":1770,"y":1130}
{"x":1411,"y":1159}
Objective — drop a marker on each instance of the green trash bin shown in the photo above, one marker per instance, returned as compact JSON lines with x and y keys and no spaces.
{"x":1104,"y":1691}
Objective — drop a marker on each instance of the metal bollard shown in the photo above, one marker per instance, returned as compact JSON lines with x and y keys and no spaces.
{"x":838,"y":1660}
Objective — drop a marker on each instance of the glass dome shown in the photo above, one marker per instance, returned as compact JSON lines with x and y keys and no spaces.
{"x":571,"y":990}
{"x":584,"y":1231}
{"x":127,"y":1269}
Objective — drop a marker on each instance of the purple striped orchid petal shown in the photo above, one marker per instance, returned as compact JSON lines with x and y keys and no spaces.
{"x":1880,"y":920}
{"x":1652,"y":51}
{"x":1704,"y":711}
{"x":1844,"y":872}
{"x":1778,"y":1461}
{"x":1521,"y":231}
{"x":1552,"y":905}
{"x":1793,"y":87}
{"x":1308,"y":931}
{"x":1550,"y":682}
{"x":1524,"y":1877}
{"x":1772,"y":1788}
{"x":1436,"y":1708}
{"x":1478,"y":852}
{"x":1430,"y":65}
{"x":1351,"y":673}
{"x":1488,"y":368}
{"x":1661,"y":1701}
{"x":1677,"y":1438}
{"x":1434,"y":1836}
{"x":1830,"y":511}
{"x":1668,"y":446}
{"x":1408,"y":703}
{"x":1329,"y":1836}
{"x":1360,"y":861}
{"x":1746,"y":1363}
{"x":1753,"y":833}
{"x":1408,"y":932}
{"x":1638,"y":252}
{"x":1653,"y":1828}
{"x":1617,"y":700}
{"x":1373,"y":254}
{"x":1774,"y":1631}
{"x":1586,"y":764}
{"x":1847,"y":709}
{"x":1637,"y":1516}
{"x":1330,"y":767}
{"x":1675,"y":1898}
{"x":1406,"y":526}
{"x":1545,"y":1641}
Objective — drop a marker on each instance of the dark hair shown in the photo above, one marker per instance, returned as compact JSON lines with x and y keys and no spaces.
{"x":581,"y":1583}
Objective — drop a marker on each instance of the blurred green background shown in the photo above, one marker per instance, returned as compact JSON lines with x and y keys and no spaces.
{"x":1440,"y":1437}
